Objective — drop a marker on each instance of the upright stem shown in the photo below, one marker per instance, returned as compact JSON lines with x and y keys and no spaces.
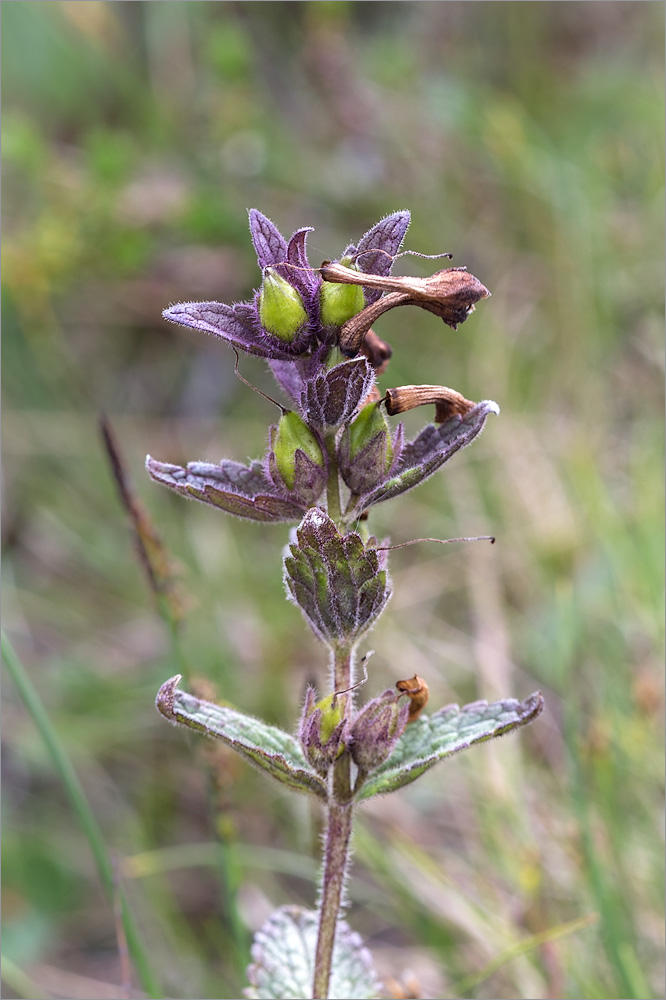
{"x":336,"y":858}
{"x":338,"y":829}
{"x":333,"y":506}
{"x":336,"y":850}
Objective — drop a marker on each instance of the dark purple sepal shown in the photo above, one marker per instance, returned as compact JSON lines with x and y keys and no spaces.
{"x":333,"y":396}
{"x":302,"y":276}
{"x":434,"y":446}
{"x":235,"y":488}
{"x":340,"y":584}
{"x":386,"y":236}
{"x":376,"y":729}
{"x":269,"y":243}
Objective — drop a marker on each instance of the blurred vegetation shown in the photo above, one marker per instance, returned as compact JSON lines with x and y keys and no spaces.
{"x":526,"y":138}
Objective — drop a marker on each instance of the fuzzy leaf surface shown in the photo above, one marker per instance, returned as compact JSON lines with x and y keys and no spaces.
{"x":386,"y":236}
{"x":333,"y":396}
{"x":283,"y":956}
{"x":432,"y":738}
{"x":271,"y":749}
{"x":269,"y":243}
{"x":238,"y":325}
{"x":238,"y":489}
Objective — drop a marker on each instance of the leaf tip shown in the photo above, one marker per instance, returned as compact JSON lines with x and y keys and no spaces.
{"x":166,"y":695}
{"x":533,"y":706}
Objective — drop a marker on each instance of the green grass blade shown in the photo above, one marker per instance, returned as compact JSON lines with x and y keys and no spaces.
{"x":20,"y":983}
{"x":81,"y":807}
{"x":465,"y":986}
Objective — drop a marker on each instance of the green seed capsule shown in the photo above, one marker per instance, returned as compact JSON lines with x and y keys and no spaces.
{"x":340,"y":302}
{"x":294,"y":434}
{"x":281,"y":309}
{"x":331,"y":716}
{"x":368,"y":424}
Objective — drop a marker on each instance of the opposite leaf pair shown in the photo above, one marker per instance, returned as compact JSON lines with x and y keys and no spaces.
{"x":424,"y":743}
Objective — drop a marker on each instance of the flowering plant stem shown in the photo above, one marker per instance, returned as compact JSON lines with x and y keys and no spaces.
{"x":339,"y":820}
{"x":333,"y":505}
{"x":336,"y":860}
{"x":330,"y":460}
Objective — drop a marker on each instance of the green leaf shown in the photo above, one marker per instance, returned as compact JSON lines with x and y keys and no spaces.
{"x":269,"y":748}
{"x":432,"y":738}
{"x":284,"y":952}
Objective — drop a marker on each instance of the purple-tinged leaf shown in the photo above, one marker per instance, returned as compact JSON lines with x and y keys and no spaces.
{"x":333,"y":396}
{"x":273,"y":751}
{"x":269,"y":243}
{"x":283,"y":957}
{"x":237,"y":325}
{"x":235,"y":488}
{"x":430,"y":739}
{"x":387,"y":236}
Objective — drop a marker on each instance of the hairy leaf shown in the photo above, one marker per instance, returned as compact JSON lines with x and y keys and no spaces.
{"x":269,"y":748}
{"x":269,"y":243}
{"x":283,"y":960}
{"x":333,"y":396}
{"x":430,"y":739}
{"x":386,"y":236}
{"x":238,"y":325}
{"x":238,"y":489}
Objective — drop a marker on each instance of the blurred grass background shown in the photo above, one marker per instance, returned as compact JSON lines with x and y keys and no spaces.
{"x":526,"y":138}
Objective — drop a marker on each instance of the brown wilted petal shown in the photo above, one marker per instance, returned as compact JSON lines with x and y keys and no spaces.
{"x":377,"y":351}
{"x":448,"y":402}
{"x":451,"y":294}
{"x":418,"y":693}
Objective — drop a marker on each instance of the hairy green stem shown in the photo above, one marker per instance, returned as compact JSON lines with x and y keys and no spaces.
{"x":333,"y":506}
{"x":336,"y":859}
{"x":338,"y":833}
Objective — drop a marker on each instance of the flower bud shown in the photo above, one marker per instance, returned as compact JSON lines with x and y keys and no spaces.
{"x":321,"y":730}
{"x":340,"y":302}
{"x":281,"y":309}
{"x":366,"y":450}
{"x":294,"y":435}
{"x":376,"y":729}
